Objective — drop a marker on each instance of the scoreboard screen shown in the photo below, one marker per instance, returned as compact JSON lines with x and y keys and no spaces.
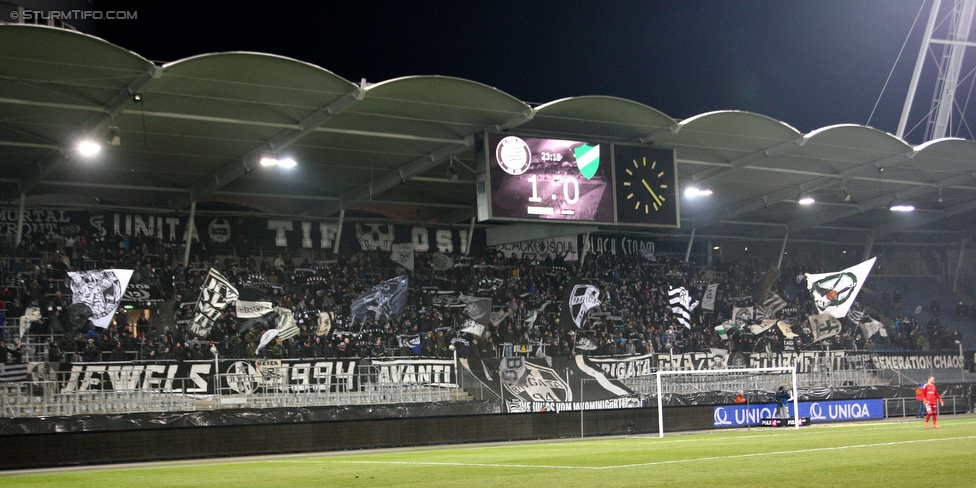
{"x":545,"y":179}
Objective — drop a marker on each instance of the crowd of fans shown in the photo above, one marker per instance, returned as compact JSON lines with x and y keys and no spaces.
{"x":634,"y":316}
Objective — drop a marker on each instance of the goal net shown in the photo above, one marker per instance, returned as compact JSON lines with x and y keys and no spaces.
{"x":728,"y":381}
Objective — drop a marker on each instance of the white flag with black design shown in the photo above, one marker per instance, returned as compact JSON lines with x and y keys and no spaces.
{"x":823,"y":326}
{"x":682,"y":305}
{"x":870,"y":328}
{"x":497,"y":317}
{"x":763,"y":326}
{"x":534,"y":315}
{"x":403,"y":255}
{"x":708,"y":300}
{"x":648,"y":254}
{"x":31,"y":315}
{"x":743,"y":316}
{"x":101,"y":290}
{"x":472,"y":327}
{"x":856,"y":314}
{"x":215,"y":295}
{"x":834,"y":293}
{"x":441,"y":262}
{"x":584,"y":343}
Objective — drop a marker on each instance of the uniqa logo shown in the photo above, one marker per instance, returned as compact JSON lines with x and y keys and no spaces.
{"x":721,"y":416}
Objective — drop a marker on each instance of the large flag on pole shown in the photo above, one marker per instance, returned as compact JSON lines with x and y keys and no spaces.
{"x":384,"y":301}
{"x":101,"y":290}
{"x":216,"y":294}
{"x":682,"y":305}
{"x":834,"y":293}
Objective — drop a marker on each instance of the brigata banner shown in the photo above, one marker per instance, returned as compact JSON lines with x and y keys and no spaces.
{"x":254,"y":376}
{"x":551,"y":385}
{"x":819,"y":411}
{"x":621,"y":367}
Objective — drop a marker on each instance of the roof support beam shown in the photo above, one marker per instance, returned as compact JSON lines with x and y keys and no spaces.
{"x":834,"y":215}
{"x":902,"y":225}
{"x":763,"y":201}
{"x":95,"y":123}
{"x":389,"y":180}
{"x":284,"y":139}
{"x":748,"y":160}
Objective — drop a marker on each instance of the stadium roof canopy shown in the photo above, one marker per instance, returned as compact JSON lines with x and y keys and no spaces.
{"x":195,"y":130}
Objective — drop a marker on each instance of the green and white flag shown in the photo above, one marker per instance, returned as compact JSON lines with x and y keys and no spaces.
{"x":834,"y":293}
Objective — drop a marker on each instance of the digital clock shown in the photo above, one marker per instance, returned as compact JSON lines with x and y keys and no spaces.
{"x":538,"y":179}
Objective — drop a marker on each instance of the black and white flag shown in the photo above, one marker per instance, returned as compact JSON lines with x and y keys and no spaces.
{"x":823,"y":326}
{"x":285,"y":324}
{"x":870,"y":328}
{"x":682,"y":305}
{"x":252,"y":307}
{"x":856,"y":314}
{"x":325,"y":323}
{"x":534,"y":315}
{"x":834,"y":293}
{"x":708,"y":300}
{"x":441,"y":262}
{"x":584,"y":343}
{"x":648,"y":254}
{"x":403,"y":255}
{"x":412,"y":342}
{"x":497,"y":317}
{"x":477,"y":308}
{"x":578,"y":300}
{"x":101,"y":290}
{"x":383,"y":302}
{"x":770,"y":306}
{"x":474,"y":328}
{"x":216,"y":294}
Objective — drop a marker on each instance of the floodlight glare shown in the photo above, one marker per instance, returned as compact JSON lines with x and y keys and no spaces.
{"x":901,"y":207}
{"x":89,"y":148}
{"x":806,"y":201}
{"x":692,"y":191}
{"x":287,"y":163}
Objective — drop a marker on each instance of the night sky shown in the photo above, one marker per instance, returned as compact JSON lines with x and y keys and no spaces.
{"x":808,"y":63}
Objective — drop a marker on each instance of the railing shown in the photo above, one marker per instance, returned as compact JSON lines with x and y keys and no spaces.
{"x":908,"y":406}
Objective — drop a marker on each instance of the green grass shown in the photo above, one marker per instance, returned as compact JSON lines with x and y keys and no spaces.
{"x":888,"y":454}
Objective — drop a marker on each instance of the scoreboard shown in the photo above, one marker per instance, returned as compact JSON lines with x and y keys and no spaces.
{"x":545,"y":179}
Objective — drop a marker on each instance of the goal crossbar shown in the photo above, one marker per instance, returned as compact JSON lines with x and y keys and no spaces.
{"x":781,"y":369}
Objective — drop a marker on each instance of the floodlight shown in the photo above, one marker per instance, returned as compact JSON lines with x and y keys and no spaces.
{"x":89,"y":148}
{"x":901,"y":207}
{"x":693,"y":191}
{"x":806,"y":201}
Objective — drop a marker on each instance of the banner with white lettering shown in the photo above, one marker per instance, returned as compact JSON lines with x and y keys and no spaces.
{"x":244,"y":376}
{"x":542,"y":248}
{"x":535,"y":384}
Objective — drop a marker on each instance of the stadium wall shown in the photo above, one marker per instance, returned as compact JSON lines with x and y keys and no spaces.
{"x":100,"y":447}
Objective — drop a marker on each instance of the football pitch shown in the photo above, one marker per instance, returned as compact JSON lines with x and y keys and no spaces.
{"x":889,"y":454}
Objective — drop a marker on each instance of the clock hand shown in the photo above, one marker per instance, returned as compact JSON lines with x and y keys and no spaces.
{"x":656,"y":198}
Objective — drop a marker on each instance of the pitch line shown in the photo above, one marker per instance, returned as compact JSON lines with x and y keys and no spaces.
{"x":655,"y":463}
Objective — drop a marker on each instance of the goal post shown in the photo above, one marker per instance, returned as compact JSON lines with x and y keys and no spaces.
{"x":731,"y":378}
